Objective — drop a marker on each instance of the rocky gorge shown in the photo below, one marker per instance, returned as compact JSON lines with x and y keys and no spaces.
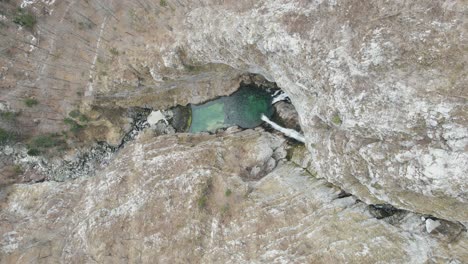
{"x":380,"y":93}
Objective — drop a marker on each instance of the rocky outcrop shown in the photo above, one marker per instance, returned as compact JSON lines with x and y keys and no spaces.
{"x":189,"y":199}
{"x":286,"y":115}
{"x":383,"y":109}
{"x":379,"y":87}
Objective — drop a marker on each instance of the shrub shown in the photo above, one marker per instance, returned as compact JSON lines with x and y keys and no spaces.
{"x":163,"y":3}
{"x":69,"y":121}
{"x":40,"y":143}
{"x":228,"y":192}
{"x":6,"y":136}
{"x":24,"y":18}
{"x":33,"y":152}
{"x":336,"y":120}
{"x":191,"y":68}
{"x":114,"y":51}
{"x":225,"y":209}
{"x":83,"y":25}
{"x":45,"y":141}
{"x":74,"y":126}
{"x":30,"y":102}
{"x":83,"y":118}
{"x":206,"y":190}
{"x":8,"y":115}
{"x":17,"y":169}
{"x":74,"y":113}
{"x":202,"y":202}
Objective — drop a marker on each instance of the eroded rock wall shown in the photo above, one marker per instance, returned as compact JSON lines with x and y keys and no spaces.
{"x":187,"y":199}
{"x":380,"y":88}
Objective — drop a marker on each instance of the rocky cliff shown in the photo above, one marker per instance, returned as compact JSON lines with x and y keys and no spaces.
{"x":379,"y":87}
{"x":198,"y":199}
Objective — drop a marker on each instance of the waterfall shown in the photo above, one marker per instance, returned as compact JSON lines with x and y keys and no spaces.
{"x":288,"y":132}
{"x":279,"y":96}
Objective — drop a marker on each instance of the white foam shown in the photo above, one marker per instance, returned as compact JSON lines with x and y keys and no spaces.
{"x":286,"y":131}
{"x":280,"y":97}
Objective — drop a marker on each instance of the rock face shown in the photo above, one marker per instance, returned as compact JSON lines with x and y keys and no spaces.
{"x":379,"y":87}
{"x":383,"y":109}
{"x":286,"y":115}
{"x":190,"y":199}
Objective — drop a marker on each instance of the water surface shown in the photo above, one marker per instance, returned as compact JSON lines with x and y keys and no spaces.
{"x":243,"y":108}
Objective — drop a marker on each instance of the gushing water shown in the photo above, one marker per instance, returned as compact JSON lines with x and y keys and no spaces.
{"x":286,"y":131}
{"x":279,"y":96}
